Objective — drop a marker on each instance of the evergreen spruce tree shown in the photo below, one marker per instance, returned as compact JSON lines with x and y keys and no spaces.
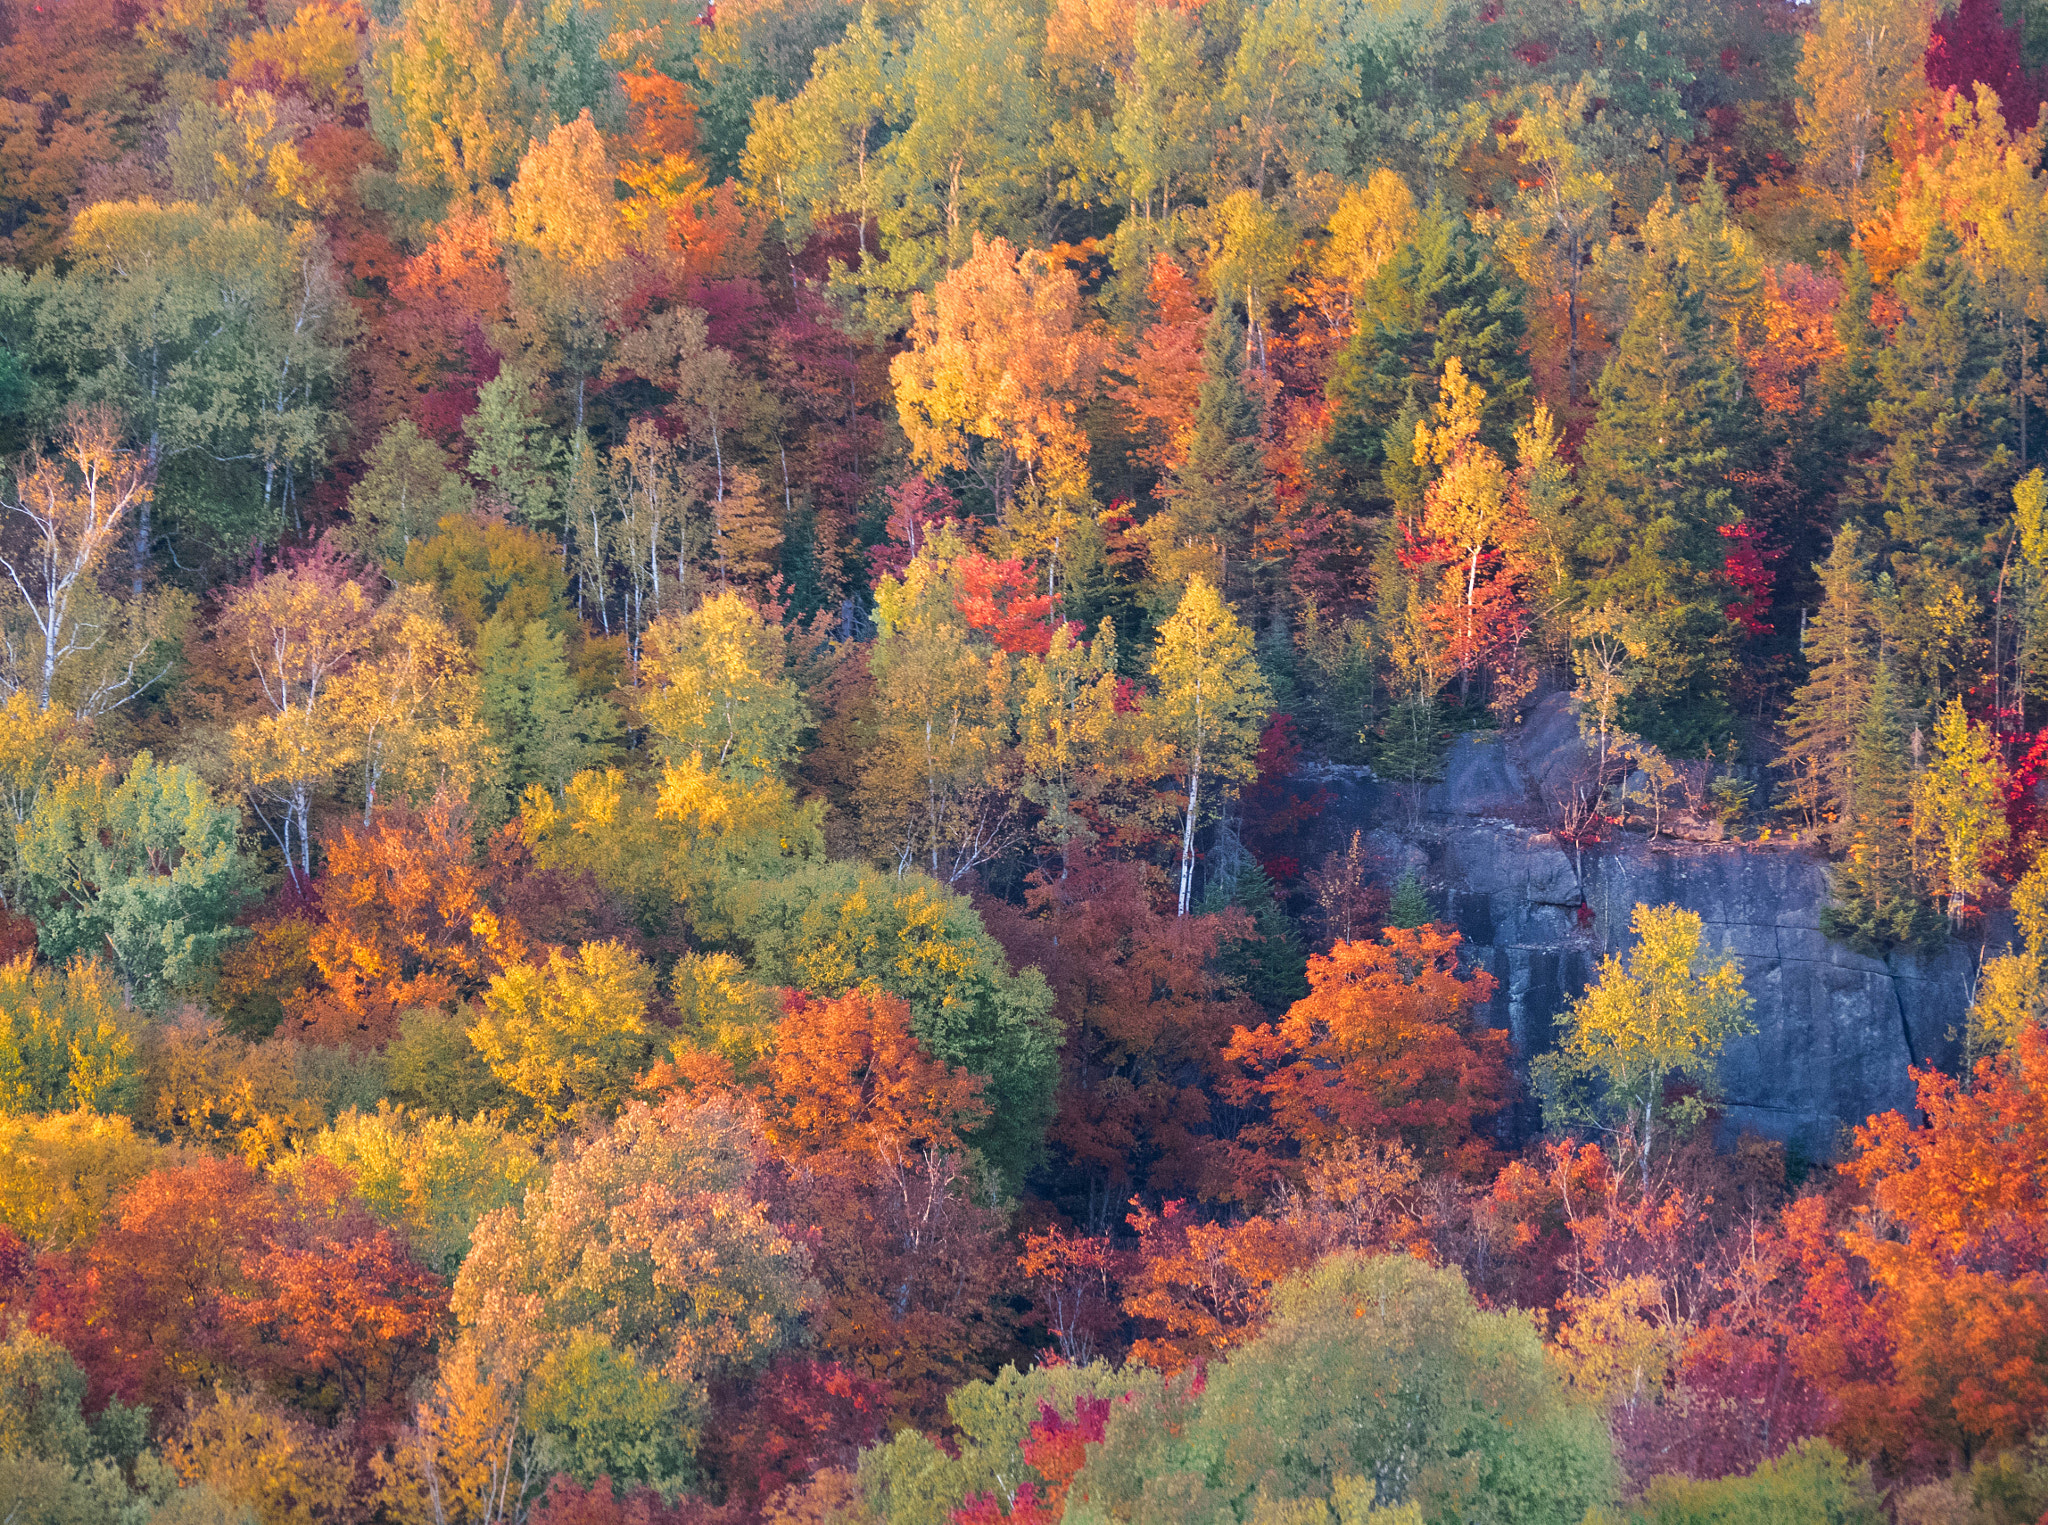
{"x":1848,"y":382}
{"x":1410,"y":906}
{"x":1877,"y":900}
{"x":1221,"y":492}
{"x":1828,"y":708}
{"x":1402,"y":483}
{"x":1941,"y":409}
{"x":1442,"y":294}
{"x":1944,"y":468}
{"x":1271,"y":965}
{"x":513,"y":455}
{"x":1655,"y":478}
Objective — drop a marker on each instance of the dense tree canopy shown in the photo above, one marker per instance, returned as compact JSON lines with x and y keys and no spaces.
{"x":726,"y":732}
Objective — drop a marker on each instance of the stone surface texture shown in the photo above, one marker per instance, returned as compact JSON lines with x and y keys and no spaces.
{"x":1837,"y":1031}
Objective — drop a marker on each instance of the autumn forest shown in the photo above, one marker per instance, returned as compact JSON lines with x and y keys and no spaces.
{"x":721,"y":725}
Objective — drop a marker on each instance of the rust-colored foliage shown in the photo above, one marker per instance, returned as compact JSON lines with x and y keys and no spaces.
{"x":1383,"y":1043}
{"x":263,"y":976}
{"x":797,"y":1417}
{"x":1928,"y":1312}
{"x":404,"y":923}
{"x":913,"y":1271}
{"x":213,"y":1274}
{"x":1146,"y":1019}
{"x":849,"y":1078}
{"x":1075,"y":1280}
{"x":604,"y":1503}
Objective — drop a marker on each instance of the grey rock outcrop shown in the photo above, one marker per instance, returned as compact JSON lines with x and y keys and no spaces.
{"x":1836,"y":1030}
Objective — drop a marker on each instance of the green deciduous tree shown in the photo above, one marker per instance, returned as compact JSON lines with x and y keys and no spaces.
{"x":479,"y":569}
{"x":457,"y":89}
{"x":606,"y":1413}
{"x":937,"y":775}
{"x":143,"y":867}
{"x":1562,"y":214}
{"x":970,"y":148}
{"x":41,"y":1392}
{"x":1289,"y":87}
{"x":915,"y":1481}
{"x":408,"y":487}
{"x":1811,"y":1481}
{"x":432,"y":1179}
{"x":214,"y":336}
{"x":1380,"y":1390}
{"x":433,"y":1069}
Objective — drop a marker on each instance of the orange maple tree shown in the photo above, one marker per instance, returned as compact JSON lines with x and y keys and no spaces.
{"x":1383,"y":1043}
{"x":404,"y":923}
{"x":1201,"y":1288}
{"x":1928,"y":1310}
{"x":848,"y":1076}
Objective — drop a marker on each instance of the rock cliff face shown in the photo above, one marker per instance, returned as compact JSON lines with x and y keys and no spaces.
{"x":1836,"y":1030}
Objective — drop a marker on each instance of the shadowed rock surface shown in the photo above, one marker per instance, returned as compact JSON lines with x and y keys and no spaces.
{"x":1836,"y":1030}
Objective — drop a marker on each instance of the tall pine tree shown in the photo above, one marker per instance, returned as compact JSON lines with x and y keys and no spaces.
{"x":1944,"y":469}
{"x":1877,"y":900}
{"x":1221,"y":492}
{"x":1442,"y":294}
{"x":1673,"y":421}
{"x":1841,"y":650}
{"x":1849,"y":380}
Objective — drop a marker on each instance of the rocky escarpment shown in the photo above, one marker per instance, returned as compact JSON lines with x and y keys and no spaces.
{"x":1836,"y":1030}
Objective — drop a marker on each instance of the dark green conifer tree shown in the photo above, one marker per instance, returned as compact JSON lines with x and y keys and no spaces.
{"x":1848,"y":382}
{"x":1442,"y":294}
{"x":1940,"y":407}
{"x":1877,"y":900}
{"x":1221,"y":491}
{"x":1841,"y":650}
{"x":1410,"y":906}
{"x":1944,"y":469}
{"x":1271,"y":965}
{"x":1655,"y":476}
